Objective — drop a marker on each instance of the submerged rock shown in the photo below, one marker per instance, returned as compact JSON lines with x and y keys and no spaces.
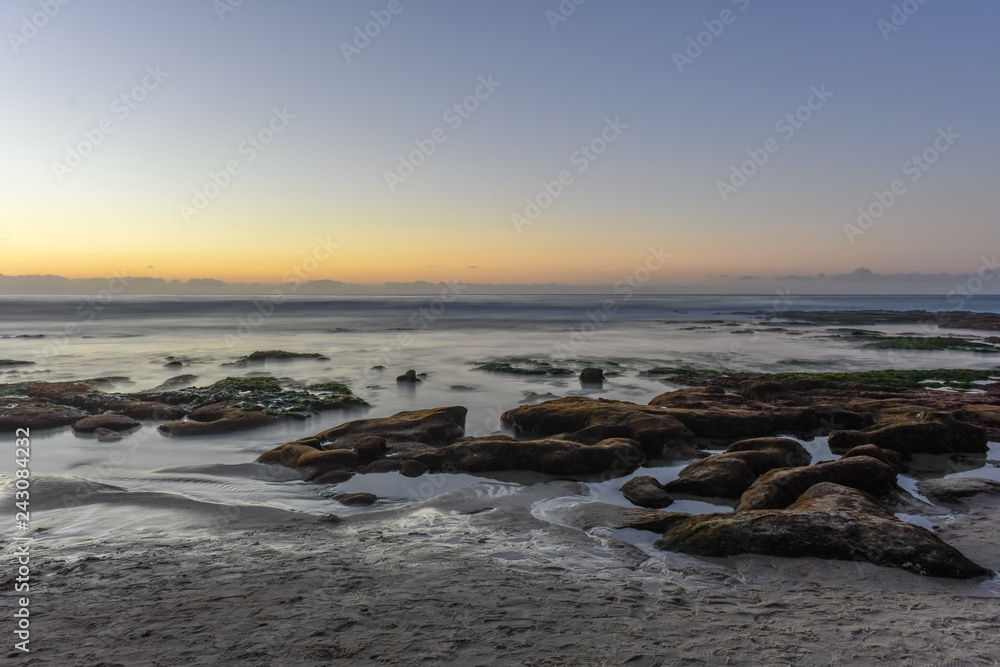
{"x":408,"y":376}
{"x":645,"y":491}
{"x":826,"y":521}
{"x":353,"y":499}
{"x":957,"y":489}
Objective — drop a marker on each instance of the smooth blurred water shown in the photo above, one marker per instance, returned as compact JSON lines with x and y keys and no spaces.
{"x":132,"y":337}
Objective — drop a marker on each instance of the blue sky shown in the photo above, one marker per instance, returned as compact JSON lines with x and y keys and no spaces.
{"x":656,"y":184}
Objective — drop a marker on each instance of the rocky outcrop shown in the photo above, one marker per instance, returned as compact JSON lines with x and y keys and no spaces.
{"x":645,"y":491}
{"x":729,"y":474}
{"x":434,"y":427}
{"x":590,"y":421}
{"x":925,"y":433}
{"x":118,"y":423}
{"x":37,"y":415}
{"x":592,"y":375}
{"x":215,"y":419}
{"x":779,"y":488}
{"x":826,"y":521}
{"x":886,"y":456}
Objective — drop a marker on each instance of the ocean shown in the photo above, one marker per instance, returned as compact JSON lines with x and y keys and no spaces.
{"x":130,"y":339}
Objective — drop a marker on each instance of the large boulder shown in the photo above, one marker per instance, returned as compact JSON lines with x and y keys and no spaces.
{"x":645,"y":491}
{"x":827,"y":521}
{"x":721,"y":476}
{"x":402,"y":431}
{"x":729,"y":474}
{"x":929,"y":433}
{"x":37,"y":415}
{"x":779,"y":488}
{"x":589,"y":421}
{"x":117,"y":423}
{"x":217,"y":418}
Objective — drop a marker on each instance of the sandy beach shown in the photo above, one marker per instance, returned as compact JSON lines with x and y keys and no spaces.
{"x":472,"y":578}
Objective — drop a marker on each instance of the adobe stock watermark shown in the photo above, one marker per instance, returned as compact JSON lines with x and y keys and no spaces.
{"x":901,"y":13}
{"x":297,"y":275}
{"x":363,"y":36}
{"x":696,"y":44}
{"x":625,"y":288}
{"x":581,"y":158}
{"x":248,"y":149}
{"x":786,"y":126}
{"x":33,"y":24}
{"x":223,"y":7}
{"x":562,"y":12}
{"x":454,"y":116}
{"x":915,"y":167}
{"x":121,"y":109}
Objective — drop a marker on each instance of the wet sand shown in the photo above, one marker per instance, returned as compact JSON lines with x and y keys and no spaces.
{"x":471,"y":577}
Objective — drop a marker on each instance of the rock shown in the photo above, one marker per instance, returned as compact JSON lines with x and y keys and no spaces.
{"x":356,"y":498}
{"x":721,"y":476}
{"x":117,"y":423}
{"x":370,"y":447}
{"x":37,"y":415}
{"x":957,"y":489}
{"x":434,"y":427}
{"x":15,"y":362}
{"x":315,"y":462}
{"x":589,"y":421}
{"x":408,"y":376}
{"x":362,"y":442}
{"x":147,"y":410}
{"x":886,"y":456}
{"x":729,"y":474}
{"x":554,"y":456}
{"x":779,"y":488}
{"x":645,"y":491}
{"x":587,"y":515}
{"x":592,"y":375}
{"x":173,"y":364}
{"x":827,"y":521}
{"x":107,"y":435}
{"x":217,"y":418}
{"x":764,"y":454}
{"x":933,"y":433}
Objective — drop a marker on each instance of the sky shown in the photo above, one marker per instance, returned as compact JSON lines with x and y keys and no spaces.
{"x":723,"y":145}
